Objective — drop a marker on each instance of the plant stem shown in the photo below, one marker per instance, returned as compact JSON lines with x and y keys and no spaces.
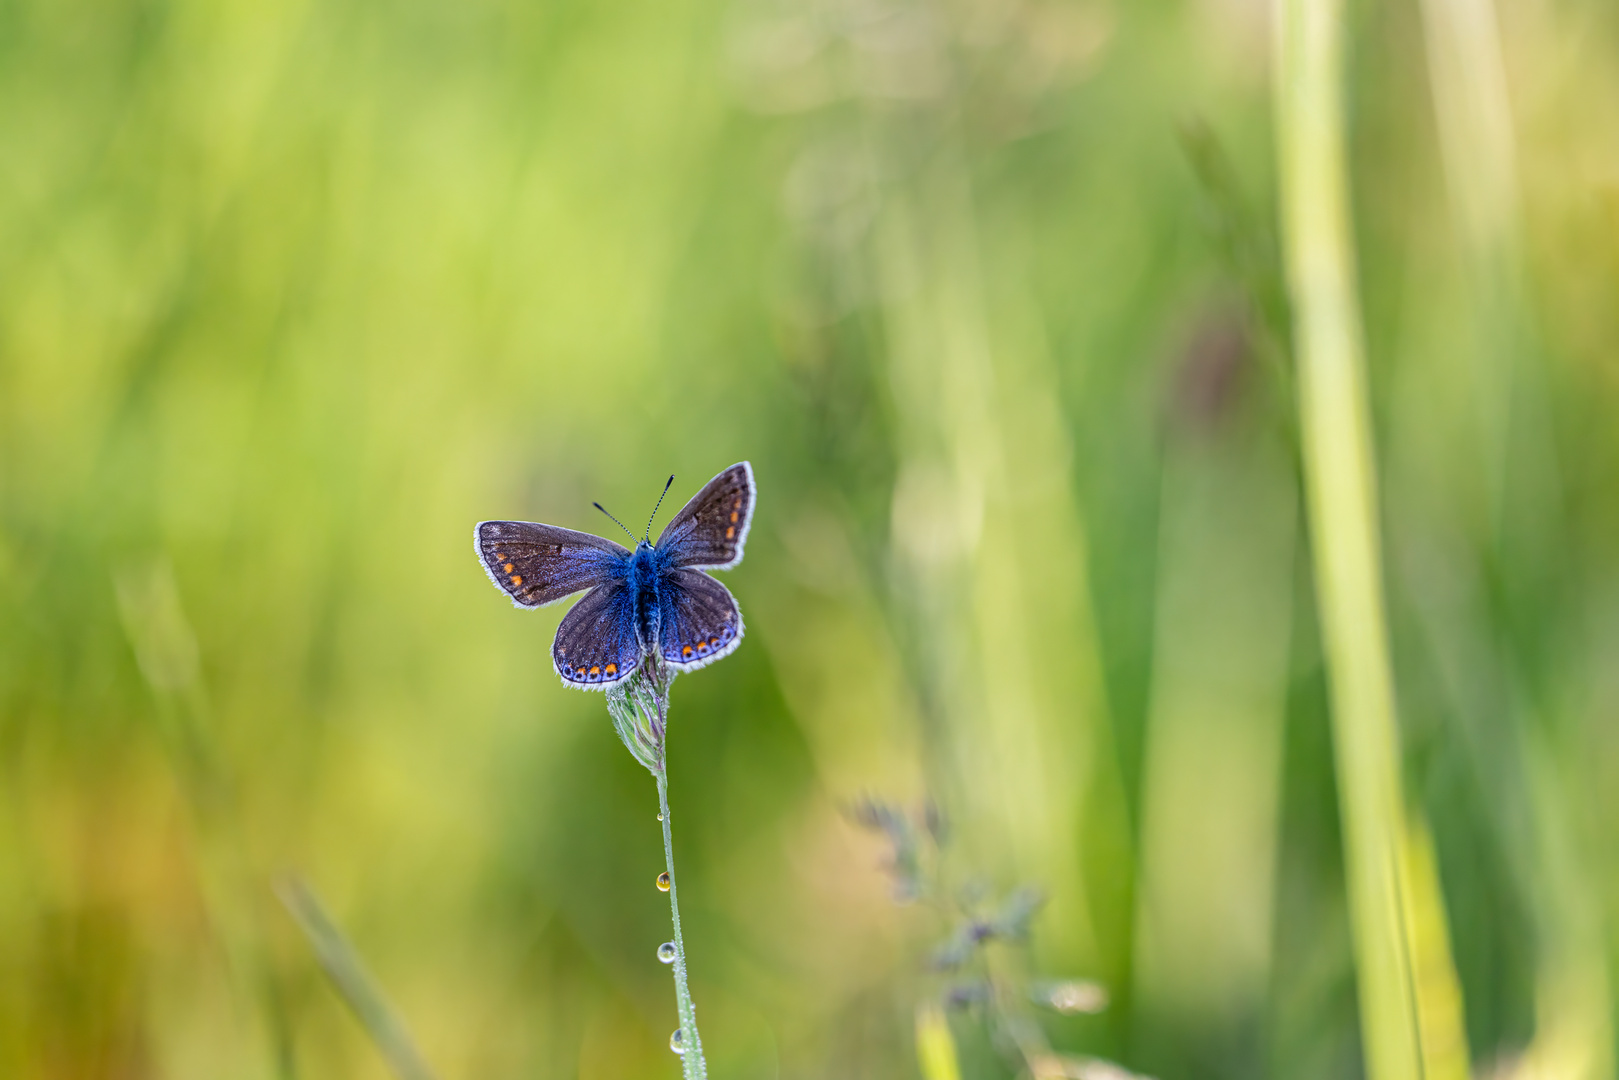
{"x":1340,"y":484}
{"x":692,"y":1065}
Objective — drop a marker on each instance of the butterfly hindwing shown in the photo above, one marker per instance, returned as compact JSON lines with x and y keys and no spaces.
{"x":596,"y":645}
{"x":699,"y":621}
{"x":710,"y":530}
{"x":538,"y":564}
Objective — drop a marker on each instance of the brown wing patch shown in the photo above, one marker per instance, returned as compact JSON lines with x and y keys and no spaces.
{"x":711,"y":529}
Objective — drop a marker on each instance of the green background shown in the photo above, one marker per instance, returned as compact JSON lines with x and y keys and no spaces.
{"x":292,"y":294}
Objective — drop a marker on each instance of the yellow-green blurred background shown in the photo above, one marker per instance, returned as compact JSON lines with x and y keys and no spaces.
{"x":293,"y":293}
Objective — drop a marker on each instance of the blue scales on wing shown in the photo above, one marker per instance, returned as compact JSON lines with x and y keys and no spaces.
{"x":596,"y":646}
{"x":699,"y":621}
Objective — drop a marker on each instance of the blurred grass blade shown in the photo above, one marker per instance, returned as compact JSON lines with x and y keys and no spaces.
{"x":1519,"y":456}
{"x":343,"y":966}
{"x":167,"y":654}
{"x":935,"y":1048}
{"x":1339,"y":483}
{"x":1440,"y":1023}
{"x":154,"y":619}
{"x":1226,"y":577}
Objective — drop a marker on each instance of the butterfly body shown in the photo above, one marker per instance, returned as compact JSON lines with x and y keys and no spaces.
{"x":643,"y":575}
{"x":652,"y":602}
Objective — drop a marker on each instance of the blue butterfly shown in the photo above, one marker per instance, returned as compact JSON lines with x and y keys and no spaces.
{"x":654,"y":601}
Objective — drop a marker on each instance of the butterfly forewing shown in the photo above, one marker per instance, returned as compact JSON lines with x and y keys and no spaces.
{"x":538,"y":564}
{"x":710,"y":530}
{"x":595,"y":645}
{"x":699,"y":621}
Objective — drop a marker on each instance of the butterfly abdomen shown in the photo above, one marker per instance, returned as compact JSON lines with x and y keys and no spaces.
{"x":645,"y":574}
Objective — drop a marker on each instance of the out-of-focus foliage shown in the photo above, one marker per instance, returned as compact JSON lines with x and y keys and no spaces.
{"x":292,"y":294}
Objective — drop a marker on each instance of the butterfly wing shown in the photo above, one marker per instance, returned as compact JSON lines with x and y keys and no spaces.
{"x":538,"y":564}
{"x":698,"y":620}
{"x":710,"y":530}
{"x":595,"y":645}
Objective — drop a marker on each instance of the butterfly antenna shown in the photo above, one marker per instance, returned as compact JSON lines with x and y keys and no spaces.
{"x":614,"y":520}
{"x":655,"y":509}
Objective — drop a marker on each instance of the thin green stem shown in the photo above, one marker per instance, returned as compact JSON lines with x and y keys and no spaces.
{"x":692,"y":1063}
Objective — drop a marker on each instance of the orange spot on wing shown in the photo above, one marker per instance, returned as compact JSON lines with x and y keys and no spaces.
{"x":713,"y":641}
{"x":508,"y":568}
{"x":730,"y":532}
{"x":738,"y":504}
{"x":685,"y":651}
{"x":517,"y":579}
{"x":612,"y":669}
{"x":733,"y":516}
{"x":595,"y":670}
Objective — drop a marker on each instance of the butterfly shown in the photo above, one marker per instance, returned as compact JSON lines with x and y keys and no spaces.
{"x":655,"y":601}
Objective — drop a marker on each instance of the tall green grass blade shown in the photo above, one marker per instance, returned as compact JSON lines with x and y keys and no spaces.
{"x":1341,"y":499}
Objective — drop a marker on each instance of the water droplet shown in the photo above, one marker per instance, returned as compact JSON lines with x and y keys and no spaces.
{"x":660,"y":815}
{"x":677,"y":1042}
{"x":666,"y":952}
{"x":663,"y":881}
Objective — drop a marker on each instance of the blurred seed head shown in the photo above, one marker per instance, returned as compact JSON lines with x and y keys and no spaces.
{"x":1010,"y":922}
{"x":955,"y":952}
{"x":904,"y":863}
{"x":974,"y":891}
{"x":1017,"y":912}
{"x":967,"y":994}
